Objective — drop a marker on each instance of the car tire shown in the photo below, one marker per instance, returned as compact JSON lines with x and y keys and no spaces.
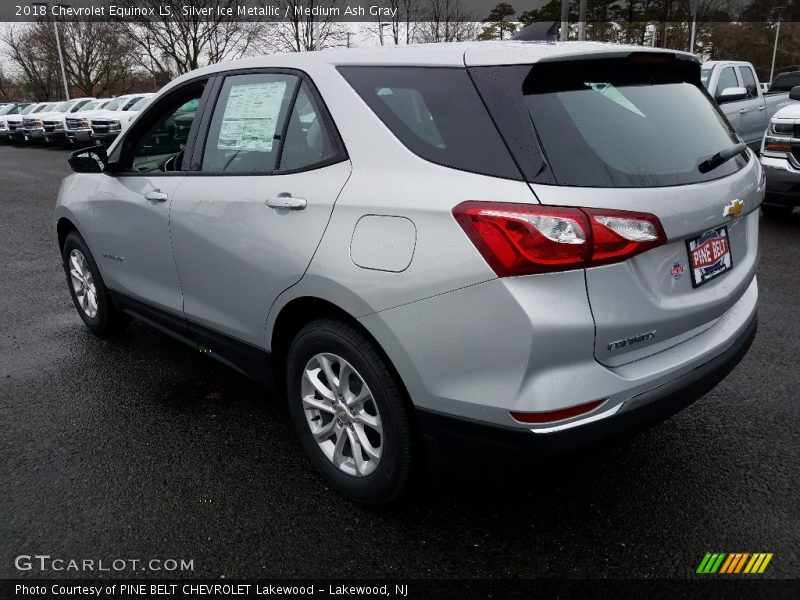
{"x":367,"y":407}
{"x":88,"y":291}
{"x":776,"y":210}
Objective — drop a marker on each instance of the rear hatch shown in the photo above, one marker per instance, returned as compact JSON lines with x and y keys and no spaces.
{"x":627,"y":130}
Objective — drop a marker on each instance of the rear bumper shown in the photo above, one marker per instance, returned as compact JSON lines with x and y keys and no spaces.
{"x":783,"y":181}
{"x":464,"y":444}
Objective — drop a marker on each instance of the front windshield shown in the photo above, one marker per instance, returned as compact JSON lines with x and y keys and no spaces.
{"x":705,"y":77}
{"x":44,"y":108}
{"x":140,"y":104}
{"x":7,"y":109}
{"x":28,"y":109}
{"x":131,"y":102}
{"x":115,"y":103}
{"x":64,"y":106}
{"x":90,"y":105}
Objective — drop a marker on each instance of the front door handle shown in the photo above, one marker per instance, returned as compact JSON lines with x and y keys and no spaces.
{"x":762,"y":107}
{"x":742,"y":111}
{"x":287,"y":201}
{"x":156,"y":196}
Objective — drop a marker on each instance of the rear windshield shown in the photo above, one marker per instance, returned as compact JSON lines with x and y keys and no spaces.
{"x":437,"y":114}
{"x":609,"y":123}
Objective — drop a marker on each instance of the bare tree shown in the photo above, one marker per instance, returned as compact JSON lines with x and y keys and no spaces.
{"x":96,"y":58}
{"x":179,"y":43}
{"x":309,"y":25}
{"x":27,"y":49}
{"x":402,"y":25}
{"x":446,"y":21}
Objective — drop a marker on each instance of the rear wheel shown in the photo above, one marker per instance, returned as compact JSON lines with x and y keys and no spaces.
{"x":348,"y":412}
{"x":89,"y":293}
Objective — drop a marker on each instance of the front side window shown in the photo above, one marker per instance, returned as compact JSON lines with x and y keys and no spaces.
{"x":159,"y":142}
{"x":247,"y":124}
{"x":727,"y":79}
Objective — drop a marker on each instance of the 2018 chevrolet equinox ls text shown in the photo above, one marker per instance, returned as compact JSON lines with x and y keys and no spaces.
{"x":510,"y":248}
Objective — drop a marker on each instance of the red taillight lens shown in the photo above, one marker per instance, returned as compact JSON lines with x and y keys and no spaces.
{"x":522,"y":239}
{"x":556,"y":415}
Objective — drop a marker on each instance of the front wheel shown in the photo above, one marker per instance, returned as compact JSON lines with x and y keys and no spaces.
{"x":87,"y":289}
{"x":348,"y":411}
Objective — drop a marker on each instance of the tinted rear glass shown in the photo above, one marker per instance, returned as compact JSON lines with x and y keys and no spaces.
{"x":437,"y":114}
{"x":612,"y":123}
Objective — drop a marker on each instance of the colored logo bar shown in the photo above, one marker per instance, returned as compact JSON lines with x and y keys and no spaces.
{"x":734,"y":563}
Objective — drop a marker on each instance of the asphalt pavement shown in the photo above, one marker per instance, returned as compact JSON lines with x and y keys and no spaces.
{"x":139,"y":448}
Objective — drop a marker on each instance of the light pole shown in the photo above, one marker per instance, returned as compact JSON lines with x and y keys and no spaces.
{"x":694,"y":26}
{"x":58,"y":47}
{"x":582,"y":21}
{"x":564,"y":21}
{"x":778,"y":9}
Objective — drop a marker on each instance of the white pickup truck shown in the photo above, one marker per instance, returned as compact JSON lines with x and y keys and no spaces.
{"x":780,"y":156}
{"x":734,"y":85}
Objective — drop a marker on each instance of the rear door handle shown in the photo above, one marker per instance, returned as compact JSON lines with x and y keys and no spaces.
{"x":763,"y":107}
{"x":156,"y":196}
{"x":287,"y":201}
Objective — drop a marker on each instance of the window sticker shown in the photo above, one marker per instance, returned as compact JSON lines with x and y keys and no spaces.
{"x":251,"y":116}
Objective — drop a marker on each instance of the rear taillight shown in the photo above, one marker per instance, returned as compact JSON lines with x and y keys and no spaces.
{"x":522,"y":239}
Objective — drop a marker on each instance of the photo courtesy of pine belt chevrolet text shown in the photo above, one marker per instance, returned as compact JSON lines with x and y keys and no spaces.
{"x":474,"y":255}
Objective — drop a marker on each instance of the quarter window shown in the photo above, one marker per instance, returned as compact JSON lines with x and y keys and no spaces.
{"x":307,"y":141}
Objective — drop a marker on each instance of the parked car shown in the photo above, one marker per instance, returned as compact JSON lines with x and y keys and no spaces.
{"x":38,"y":126}
{"x":468,"y":254}
{"x":780,"y":155}
{"x":54,"y":124}
{"x":734,"y":85}
{"x":9,"y":109}
{"x":16,"y":127}
{"x":108,"y":124}
{"x":785,"y":82}
{"x":78,"y":129}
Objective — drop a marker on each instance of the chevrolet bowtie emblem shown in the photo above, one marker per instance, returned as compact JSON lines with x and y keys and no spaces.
{"x":733,"y":209}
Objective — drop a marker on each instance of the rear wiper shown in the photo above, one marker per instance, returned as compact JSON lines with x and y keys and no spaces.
{"x":721,"y":157}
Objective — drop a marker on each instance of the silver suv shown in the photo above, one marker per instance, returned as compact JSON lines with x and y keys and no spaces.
{"x":462,"y":253}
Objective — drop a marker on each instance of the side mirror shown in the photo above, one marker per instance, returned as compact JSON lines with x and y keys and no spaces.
{"x":90,"y":160}
{"x":794,"y":94}
{"x":731,"y":94}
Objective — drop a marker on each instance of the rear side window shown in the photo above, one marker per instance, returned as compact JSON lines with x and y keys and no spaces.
{"x":749,"y":81}
{"x":609,"y":123}
{"x":437,"y":114}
